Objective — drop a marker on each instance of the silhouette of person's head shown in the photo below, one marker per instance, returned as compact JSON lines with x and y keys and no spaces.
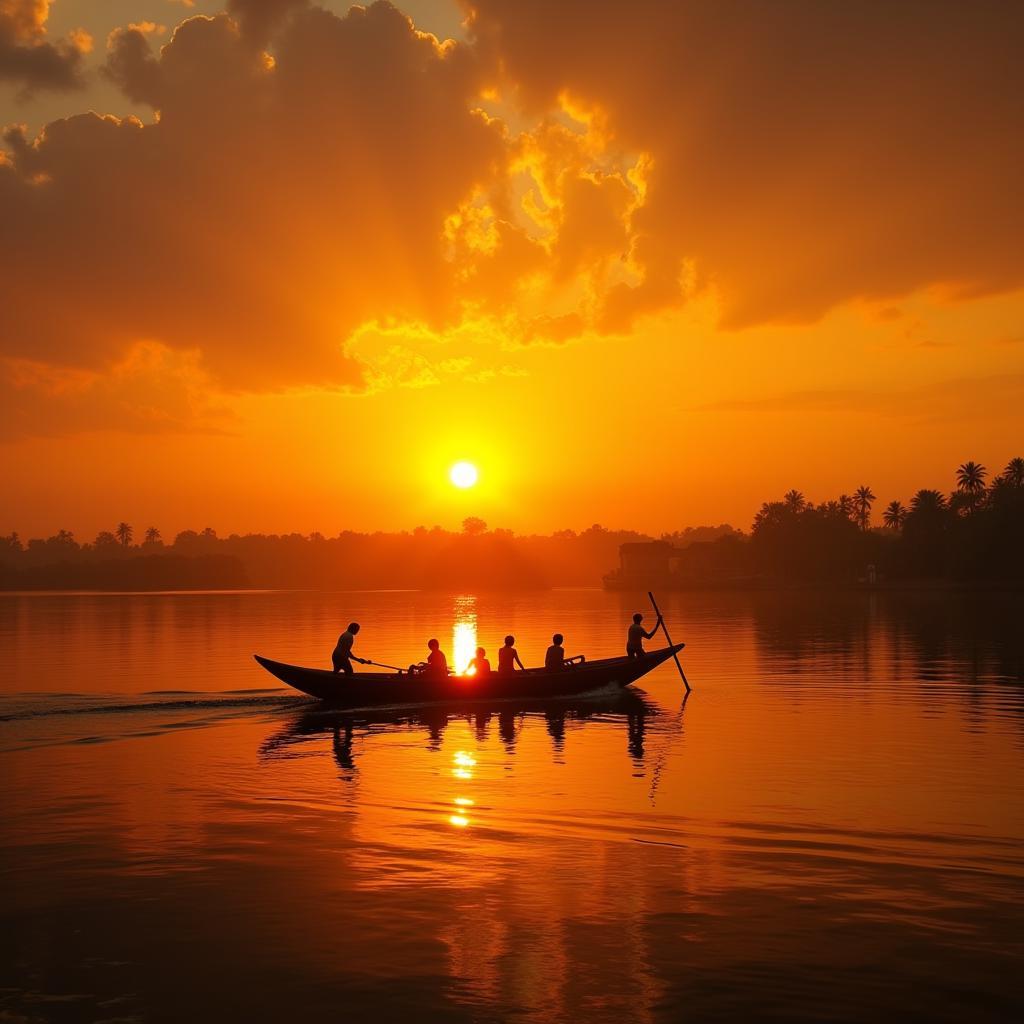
{"x":638,"y":618}
{"x":481,"y":653}
{"x":509,"y":640}
{"x":353,"y":627}
{"x":433,"y":645}
{"x":557,"y":639}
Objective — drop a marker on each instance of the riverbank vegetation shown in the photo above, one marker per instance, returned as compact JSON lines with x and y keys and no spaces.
{"x":973,"y":533}
{"x":970,"y":534}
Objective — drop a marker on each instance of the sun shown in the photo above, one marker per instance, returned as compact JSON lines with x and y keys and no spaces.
{"x":463,"y":474}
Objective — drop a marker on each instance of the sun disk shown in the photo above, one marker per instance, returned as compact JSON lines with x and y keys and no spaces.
{"x":463,"y":474}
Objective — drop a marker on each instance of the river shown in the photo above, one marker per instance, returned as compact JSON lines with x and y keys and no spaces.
{"x":831,"y":827}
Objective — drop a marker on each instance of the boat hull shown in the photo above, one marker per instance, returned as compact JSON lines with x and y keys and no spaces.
{"x":380,"y":689}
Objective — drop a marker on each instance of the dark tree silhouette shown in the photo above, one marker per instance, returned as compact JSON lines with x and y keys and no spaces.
{"x":895,"y":515}
{"x":124,"y":534}
{"x":928,"y":502}
{"x":863,"y":498}
{"x":153,"y":535}
{"x":473,"y":526}
{"x":970,"y":481}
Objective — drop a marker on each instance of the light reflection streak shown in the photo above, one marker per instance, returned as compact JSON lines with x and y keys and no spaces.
{"x":464,"y":633}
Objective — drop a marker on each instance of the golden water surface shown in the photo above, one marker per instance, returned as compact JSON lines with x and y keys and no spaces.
{"x":831,"y":826}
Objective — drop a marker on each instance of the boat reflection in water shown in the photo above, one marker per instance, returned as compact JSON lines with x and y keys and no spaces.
{"x":351,"y":730}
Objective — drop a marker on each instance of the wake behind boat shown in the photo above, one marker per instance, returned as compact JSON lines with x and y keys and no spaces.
{"x":377,"y":689}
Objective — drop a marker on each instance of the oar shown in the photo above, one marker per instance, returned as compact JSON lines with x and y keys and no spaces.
{"x":366,"y":661}
{"x":664,"y":629}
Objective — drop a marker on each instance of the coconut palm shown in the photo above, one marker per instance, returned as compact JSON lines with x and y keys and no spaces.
{"x":927,"y":501}
{"x":153,"y":536}
{"x":795,"y":501}
{"x":863,"y":497}
{"x":1014,"y":472}
{"x":970,"y":481}
{"x":846,"y":505}
{"x":124,"y":534}
{"x":895,"y":515}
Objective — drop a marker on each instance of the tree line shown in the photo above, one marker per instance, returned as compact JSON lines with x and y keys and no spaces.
{"x":475,"y":557}
{"x":975,"y":532}
{"x":972,"y":533}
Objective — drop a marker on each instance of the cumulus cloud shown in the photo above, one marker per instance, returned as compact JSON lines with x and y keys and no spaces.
{"x":799,"y":154}
{"x":273,"y":206}
{"x":28,"y":58}
{"x":568,"y":169}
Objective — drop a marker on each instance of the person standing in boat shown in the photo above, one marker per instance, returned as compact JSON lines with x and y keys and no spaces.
{"x":342,"y":657}
{"x":555,"y":659}
{"x":508,"y":658}
{"x":637,"y":635}
{"x":480,"y":665}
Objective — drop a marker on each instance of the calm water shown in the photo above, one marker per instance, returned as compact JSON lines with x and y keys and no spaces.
{"x":830,"y":828}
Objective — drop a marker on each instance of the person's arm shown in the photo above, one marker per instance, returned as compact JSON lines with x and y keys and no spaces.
{"x":650,"y":636}
{"x":515,"y":654}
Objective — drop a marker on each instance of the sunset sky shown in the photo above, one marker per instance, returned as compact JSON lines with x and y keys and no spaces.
{"x":277,"y":267}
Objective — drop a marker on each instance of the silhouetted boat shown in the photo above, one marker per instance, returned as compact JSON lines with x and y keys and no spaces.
{"x":377,"y":689}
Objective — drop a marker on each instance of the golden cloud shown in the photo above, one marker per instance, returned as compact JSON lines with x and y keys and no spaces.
{"x":31,"y":60}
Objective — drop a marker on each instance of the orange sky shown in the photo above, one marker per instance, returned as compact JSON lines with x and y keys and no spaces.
{"x":644,"y":264}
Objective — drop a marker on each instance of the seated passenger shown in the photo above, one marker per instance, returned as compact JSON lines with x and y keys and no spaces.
{"x":436,"y":665}
{"x":480,"y":667}
{"x":555,"y":658}
{"x":508,"y":658}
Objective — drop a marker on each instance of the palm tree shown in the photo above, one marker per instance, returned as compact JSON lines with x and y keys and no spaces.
{"x":895,"y":515}
{"x":863,"y":497}
{"x":1014,"y":472}
{"x":795,"y":501}
{"x":970,"y":480}
{"x":153,"y":536}
{"x":846,"y":505}
{"x":926,"y":501}
{"x":124,"y":534}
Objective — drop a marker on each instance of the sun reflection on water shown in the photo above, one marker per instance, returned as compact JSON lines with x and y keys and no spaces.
{"x":464,"y":633}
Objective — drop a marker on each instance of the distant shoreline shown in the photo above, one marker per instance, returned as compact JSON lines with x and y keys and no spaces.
{"x":773,"y":587}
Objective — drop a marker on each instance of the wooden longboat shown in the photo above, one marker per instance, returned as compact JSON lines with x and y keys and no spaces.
{"x":379,"y":689}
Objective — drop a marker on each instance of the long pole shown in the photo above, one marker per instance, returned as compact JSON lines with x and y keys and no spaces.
{"x":664,"y":629}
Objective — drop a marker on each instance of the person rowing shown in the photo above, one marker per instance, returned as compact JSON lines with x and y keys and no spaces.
{"x":555,"y":659}
{"x":637,"y":635}
{"x":342,"y":656}
{"x":436,"y":665}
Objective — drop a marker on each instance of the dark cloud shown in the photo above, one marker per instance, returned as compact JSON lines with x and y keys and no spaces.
{"x":28,"y":58}
{"x":259,"y":20}
{"x":801,"y":154}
